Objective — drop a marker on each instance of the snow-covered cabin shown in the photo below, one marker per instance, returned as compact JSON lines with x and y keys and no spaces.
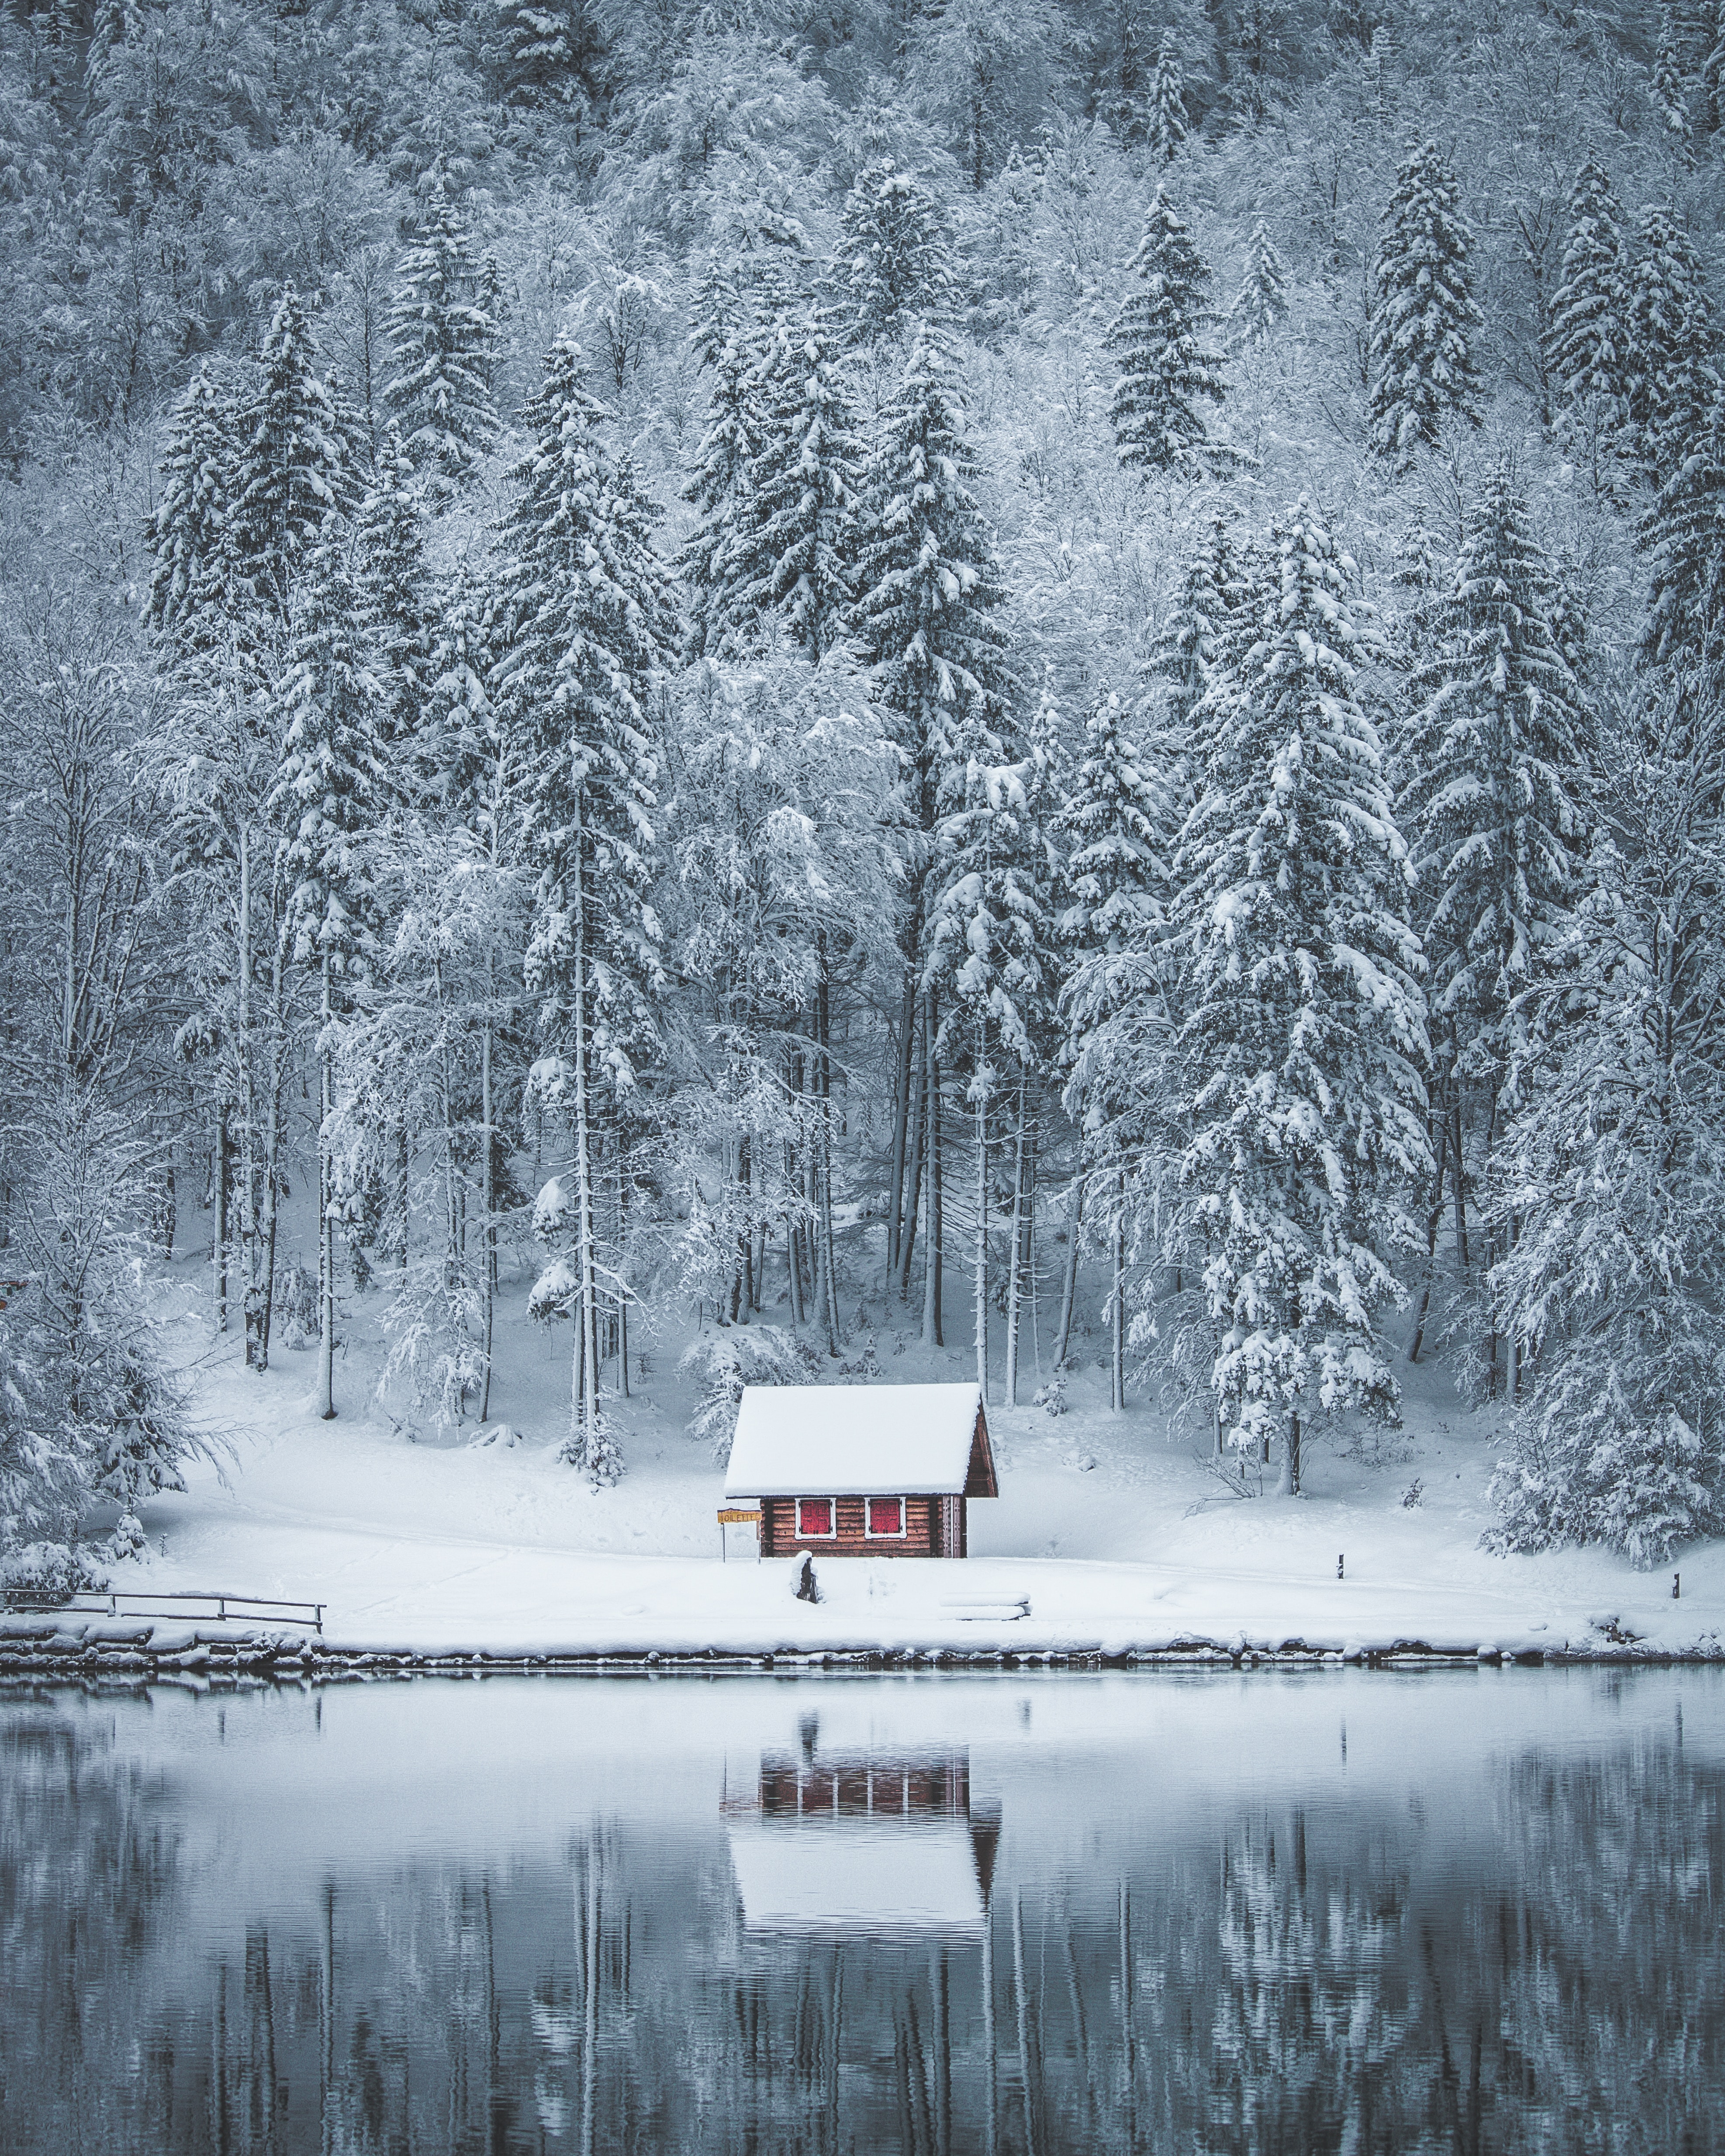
{"x":862,"y":1470}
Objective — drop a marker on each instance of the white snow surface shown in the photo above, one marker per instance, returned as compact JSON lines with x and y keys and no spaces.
{"x":881,"y":1441}
{"x":1113,"y":1527}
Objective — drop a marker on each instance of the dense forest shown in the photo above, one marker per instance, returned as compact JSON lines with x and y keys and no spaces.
{"x":877,"y":655}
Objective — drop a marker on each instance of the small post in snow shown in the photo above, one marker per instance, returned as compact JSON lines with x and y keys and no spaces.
{"x":1339,"y":1561}
{"x":1676,"y":1587}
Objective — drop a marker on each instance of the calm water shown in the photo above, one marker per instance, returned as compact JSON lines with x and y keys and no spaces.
{"x":1349,"y":1912}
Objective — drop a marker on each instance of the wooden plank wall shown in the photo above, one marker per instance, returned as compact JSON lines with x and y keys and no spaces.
{"x":921,"y":1537}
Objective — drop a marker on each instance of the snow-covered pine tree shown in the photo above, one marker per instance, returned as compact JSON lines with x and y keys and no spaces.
{"x":190,"y":574}
{"x":1684,"y":533}
{"x":1424,"y":317}
{"x":1262,"y":300}
{"x":928,"y":624}
{"x":793,"y":549}
{"x":334,"y":715}
{"x":729,"y":346}
{"x":548,"y":55}
{"x":1302,"y":1049}
{"x":896,"y":255}
{"x":1166,"y":126}
{"x":293,"y":470}
{"x":1584,"y":355}
{"x":989,"y":965}
{"x":444,"y":335}
{"x":391,"y":591}
{"x":1214,"y":621}
{"x":1612,"y":1282}
{"x":1670,"y":92}
{"x":584,"y":627}
{"x":1157,"y":341}
{"x":1495,"y":760}
{"x":1670,"y":344}
{"x":1115,"y":826}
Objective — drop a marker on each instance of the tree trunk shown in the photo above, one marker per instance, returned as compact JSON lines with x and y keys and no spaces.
{"x":913,"y":1194}
{"x":587,"y":1383}
{"x":219,"y":1217}
{"x":903,"y":1078}
{"x":326,"y":1211}
{"x":1116,"y":1300}
{"x":1015,"y":1264}
{"x":934,"y":1226}
{"x":979,"y":1085}
{"x":1069,"y":1291}
{"x":823,"y":1087}
{"x":1434,"y":1219}
{"x":488,"y":1197}
{"x":250,"y":1166}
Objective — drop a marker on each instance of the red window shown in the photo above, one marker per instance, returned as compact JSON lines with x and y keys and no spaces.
{"x":887,"y":1516}
{"x":814,"y":1516}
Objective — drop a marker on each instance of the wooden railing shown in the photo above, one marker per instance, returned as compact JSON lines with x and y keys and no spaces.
{"x":220,"y":1609}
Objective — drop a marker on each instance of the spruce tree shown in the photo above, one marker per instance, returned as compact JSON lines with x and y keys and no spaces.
{"x":928,"y":624}
{"x":1213,"y":624}
{"x":444,"y":337}
{"x":1670,"y":345}
{"x":1494,"y":755}
{"x":1670,"y":92}
{"x":1262,"y":302}
{"x":1583,"y":349}
{"x":392,"y":592}
{"x":896,"y":255}
{"x":1423,"y":320}
{"x":793,"y":548}
{"x":584,"y":627}
{"x":1116,"y":825}
{"x":334,"y":714}
{"x":727,"y":344}
{"x":1301,"y":1051}
{"x":293,"y":471}
{"x":927,"y":620}
{"x":1157,"y":341}
{"x":548,"y":55}
{"x":1167,"y":128}
{"x":191,"y":594}
{"x":1684,"y":532}
{"x":989,"y":966}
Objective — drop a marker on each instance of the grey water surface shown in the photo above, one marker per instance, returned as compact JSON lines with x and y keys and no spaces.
{"x":1359,"y":1912}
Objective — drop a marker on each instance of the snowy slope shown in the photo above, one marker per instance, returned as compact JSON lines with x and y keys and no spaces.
{"x":1112,"y":1528}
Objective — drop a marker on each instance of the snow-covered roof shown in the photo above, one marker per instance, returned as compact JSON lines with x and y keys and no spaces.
{"x":859,"y":1440}
{"x":838,"y":1878}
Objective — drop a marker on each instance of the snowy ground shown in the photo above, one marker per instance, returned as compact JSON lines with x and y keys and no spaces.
{"x":1112,"y":1526}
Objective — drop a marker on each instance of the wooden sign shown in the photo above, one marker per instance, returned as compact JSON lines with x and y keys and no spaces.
{"x":732,"y":1516}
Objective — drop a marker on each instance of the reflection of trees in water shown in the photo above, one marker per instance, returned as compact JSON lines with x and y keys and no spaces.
{"x":87,"y":1871}
{"x":1338,"y":1981}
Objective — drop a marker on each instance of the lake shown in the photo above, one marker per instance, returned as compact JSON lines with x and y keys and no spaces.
{"x":1345,"y":1911}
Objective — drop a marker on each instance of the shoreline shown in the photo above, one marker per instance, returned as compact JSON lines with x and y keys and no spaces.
{"x":37,"y":1648}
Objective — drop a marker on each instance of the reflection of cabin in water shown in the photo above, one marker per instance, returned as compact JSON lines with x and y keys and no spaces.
{"x":863,"y":1842}
{"x":862,"y":1470}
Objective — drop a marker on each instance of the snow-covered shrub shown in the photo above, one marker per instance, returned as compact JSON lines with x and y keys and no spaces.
{"x":46,"y":1573}
{"x":437,"y":1351}
{"x":1051,"y":1397}
{"x":594,"y":1448}
{"x":1602,"y":1468}
{"x":297,"y":1305}
{"x":89,"y":1409}
{"x":723,"y":1363}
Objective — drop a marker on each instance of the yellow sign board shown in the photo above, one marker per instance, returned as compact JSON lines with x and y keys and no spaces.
{"x":729,"y":1516}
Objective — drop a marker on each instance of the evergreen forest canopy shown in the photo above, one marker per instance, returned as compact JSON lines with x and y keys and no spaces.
{"x":641,"y":631}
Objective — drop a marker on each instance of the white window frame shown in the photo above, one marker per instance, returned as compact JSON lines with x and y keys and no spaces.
{"x":806,"y":1535}
{"x":898,"y":1534}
